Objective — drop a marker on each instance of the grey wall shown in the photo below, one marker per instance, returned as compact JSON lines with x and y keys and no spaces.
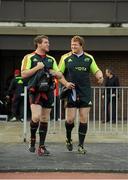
{"x":108,"y":39}
{"x":93,"y":43}
{"x":111,"y":11}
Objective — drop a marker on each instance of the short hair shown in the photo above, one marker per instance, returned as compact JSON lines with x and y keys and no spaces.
{"x":110,"y":70}
{"x":38,"y":39}
{"x":80,"y":40}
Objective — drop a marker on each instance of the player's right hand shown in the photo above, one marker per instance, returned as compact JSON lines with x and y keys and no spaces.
{"x":70,"y":85}
{"x":40,"y":65}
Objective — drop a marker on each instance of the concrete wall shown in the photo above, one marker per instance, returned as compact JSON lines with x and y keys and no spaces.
{"x":62,"y":43}
{"x":113,"y":11}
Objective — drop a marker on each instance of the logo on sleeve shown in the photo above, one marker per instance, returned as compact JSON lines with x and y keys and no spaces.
{"x":49,"y":60}
{"x":35,"y":60}
{"x":20,"y":81}
{"x":86,"y":59}
{"x":70,"y":60}
{"x":90,"y":103}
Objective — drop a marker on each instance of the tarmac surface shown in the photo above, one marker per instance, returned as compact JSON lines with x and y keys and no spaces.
{"x":103,"y":155}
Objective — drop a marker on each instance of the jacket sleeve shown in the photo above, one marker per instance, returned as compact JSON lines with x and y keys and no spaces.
{"x":11,"y":87}
{"x":33,"y":84}
{"x":32,"y":90}
{"x":116,"y":84}
{"x":117,"y":81}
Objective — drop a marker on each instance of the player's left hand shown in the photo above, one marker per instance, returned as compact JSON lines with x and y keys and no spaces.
{"x":100,"y":80}
{"x":56,"y":74}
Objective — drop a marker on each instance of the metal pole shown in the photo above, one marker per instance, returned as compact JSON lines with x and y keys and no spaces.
{"x":127,"y":109}
{"x":60,"y":118}
{"x":117,"y":90}
{"x":111,"y":109}
{"x":122,"y":109}
{"x":54,"y":113}
{"x":25,"y":115}
{"x":94,"y":110}
{"x":105,"y":114}
{"x":99,"y":109}
{"x":88,"y":121}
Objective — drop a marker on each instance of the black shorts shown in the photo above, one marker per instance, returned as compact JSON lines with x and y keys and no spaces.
{"x":43,"y":101}
{"x":79,"y":103}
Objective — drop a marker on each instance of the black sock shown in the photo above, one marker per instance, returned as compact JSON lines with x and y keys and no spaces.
{"x":42,"y":132}
{"x":69,"y":128}
{"x":33,"y":129}
{"x":82,"y":133}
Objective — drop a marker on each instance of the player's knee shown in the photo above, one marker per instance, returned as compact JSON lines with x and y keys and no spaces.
{"x":35,"y":118}
{"x":83,"y":118}
{"x":70,"y":120}
{"x":44,"y":119}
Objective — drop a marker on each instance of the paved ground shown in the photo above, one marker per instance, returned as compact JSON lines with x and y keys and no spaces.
{"x":107,"y":153}
{"x":101,"y":157}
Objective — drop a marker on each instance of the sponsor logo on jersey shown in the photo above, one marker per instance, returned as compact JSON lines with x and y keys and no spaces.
{"x":81,"y":68}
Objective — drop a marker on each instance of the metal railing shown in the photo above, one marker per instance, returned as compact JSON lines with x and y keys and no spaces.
{"x":110,"y":114}
{"x":107,"y":101}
